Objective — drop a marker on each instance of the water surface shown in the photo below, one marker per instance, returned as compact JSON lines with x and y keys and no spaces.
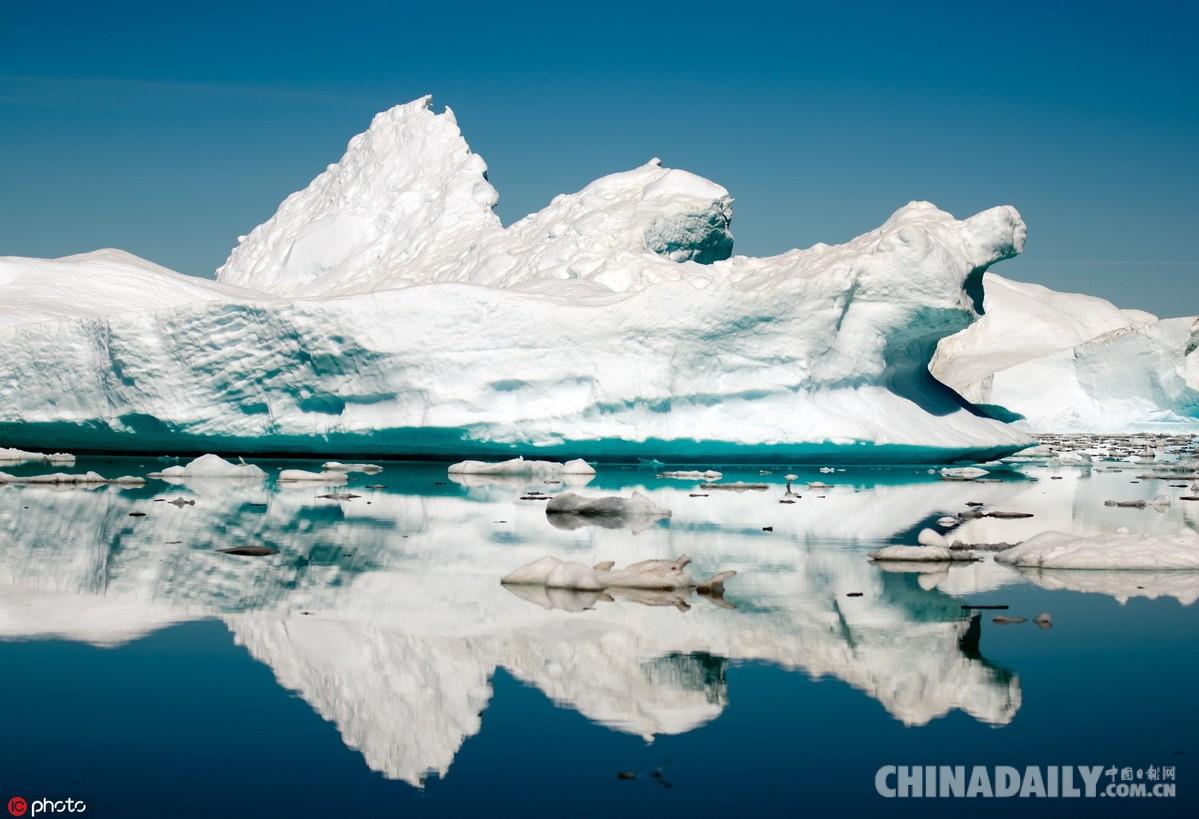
{"x":375,"y":665}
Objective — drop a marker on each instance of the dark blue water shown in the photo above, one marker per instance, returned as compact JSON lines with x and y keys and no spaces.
{"x":184,"y":719}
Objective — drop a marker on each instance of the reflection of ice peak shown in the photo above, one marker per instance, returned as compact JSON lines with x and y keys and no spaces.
{"x":409,"y":621}
{"x":405,"y":702}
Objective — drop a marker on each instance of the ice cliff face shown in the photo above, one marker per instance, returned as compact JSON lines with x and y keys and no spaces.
{"x":1061,"y":362}
{"x":385,"y":309}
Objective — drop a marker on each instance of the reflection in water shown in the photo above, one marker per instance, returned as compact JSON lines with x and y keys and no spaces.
{"x":386,"y":615}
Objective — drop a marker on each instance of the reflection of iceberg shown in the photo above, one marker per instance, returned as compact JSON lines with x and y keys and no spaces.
{"x":394,"y":632}
{"x":1183,"y":586}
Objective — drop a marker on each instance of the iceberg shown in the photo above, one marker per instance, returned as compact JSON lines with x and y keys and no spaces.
{"x":1065,"y":362}
{"x":211,"y":466}
{"x":385,"y":310}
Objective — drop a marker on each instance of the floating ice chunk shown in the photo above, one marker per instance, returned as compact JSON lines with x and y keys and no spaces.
{"x":921,"y":554}
{"x":211,"y":466}
{"x":1160,"y":502}
{"x":962,"y":473}
{"x":1073,"y":458}
{"x":1059,"y":550}
{"x":20,"y":456}
{"x":693,"y":475}
{"x":736,"y":486}
{"x":81,"y":478}
{"x":948,"y":521}
{"x":519,"y":466}
{"x":304,"y":476}
{"x":647,"y":575}
{"x":928,"y":537}
{"x":637,"y":505}
{"x":335,"y":466}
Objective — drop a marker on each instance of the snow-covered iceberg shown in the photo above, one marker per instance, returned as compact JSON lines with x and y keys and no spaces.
{"x":385,"y":309}
{"x":1059,"y":550}
{"x":211,"y":466}
{"x":1065,"y":362}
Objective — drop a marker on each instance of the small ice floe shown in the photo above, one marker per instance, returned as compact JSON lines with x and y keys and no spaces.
{"x":692,"y":475}
{"x":959,"y":546}
{"x":1058,"y":550}
{"x":567,"y":507}
{"x":921,"y":554}
{"x":21,"y":456}
{"x":826,"y":470}
{"x":519,"y":466}
{"x":650,"y":575}
{"x":1044,"y":620}
{"x":337,"y":466}
{"x":948,"y":521}
{"x":211,"y":466}
{"x":72,"y":478}
{"x":181,"y":502}
{"x":819,"y":485}
{"x":736,"y":486}
{"x":1004,"y":619}
{"x":933,"y":548}
{"x":1001,"y":515}
{"x":339,"y":496}
{"x":1160,"y":502}
{"x":304,"y":476}
{"x":249,"y":551}
{"x":1072,"y":458}
{"x":962,"y":473}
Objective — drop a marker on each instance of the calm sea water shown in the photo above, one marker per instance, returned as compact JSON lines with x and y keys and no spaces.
{"x":375,"y":666}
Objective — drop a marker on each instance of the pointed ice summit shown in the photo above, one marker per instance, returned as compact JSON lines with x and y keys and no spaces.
{"x":385,"y":309}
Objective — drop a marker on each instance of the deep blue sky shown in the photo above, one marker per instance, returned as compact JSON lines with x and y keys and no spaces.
{"x":169,"y":128}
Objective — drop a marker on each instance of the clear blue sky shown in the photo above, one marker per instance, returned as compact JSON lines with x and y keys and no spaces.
{"x":167,"y":129}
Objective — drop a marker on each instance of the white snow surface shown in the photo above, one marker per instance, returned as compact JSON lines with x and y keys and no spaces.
{"x":1073,"y":363}
{"x":384,"y":308}
{"x":1058,"y":550}
{"x":97,"y":285}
